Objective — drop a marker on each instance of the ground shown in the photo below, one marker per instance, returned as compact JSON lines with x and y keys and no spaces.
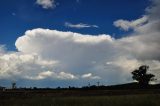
{"x":81,"y":98}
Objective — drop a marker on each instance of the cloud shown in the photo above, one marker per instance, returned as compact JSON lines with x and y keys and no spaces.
{"x":126,"y":25}
{"x":18,"y":65}
{"x":153,"y":10}
{"x":46,"y":4}
{"x":80,"y":25}
{"x":2,"y":49}
{"x":52,"y":55}
{"x":65,"y":54}
{"x":75,"y":52}
{"x":52,"y":75}
{"x":90,"y":76}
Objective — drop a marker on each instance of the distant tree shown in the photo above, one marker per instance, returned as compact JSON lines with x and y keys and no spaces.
{"x":13,"y":85}
{"x":142,"y":76}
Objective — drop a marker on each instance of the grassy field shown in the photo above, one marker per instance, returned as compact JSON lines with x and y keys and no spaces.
{"x":115,"y":100}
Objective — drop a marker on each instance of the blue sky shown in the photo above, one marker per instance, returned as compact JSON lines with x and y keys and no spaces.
{"x":17,"y":16}
{"x":50,"y":43}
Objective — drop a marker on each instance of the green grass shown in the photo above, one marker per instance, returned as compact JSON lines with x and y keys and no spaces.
{"x":123,"y":100}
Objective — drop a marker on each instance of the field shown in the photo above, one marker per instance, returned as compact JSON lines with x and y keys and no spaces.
{"x":81,"y":98}
{"x":127,"y":100}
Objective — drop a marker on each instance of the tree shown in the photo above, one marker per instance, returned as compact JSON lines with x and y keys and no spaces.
{"x":142,"y":76}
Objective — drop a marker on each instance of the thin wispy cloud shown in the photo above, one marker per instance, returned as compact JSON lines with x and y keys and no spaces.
{"x":126,"y":25}
{"x":46,"y":4}
{"x":80,"y":25}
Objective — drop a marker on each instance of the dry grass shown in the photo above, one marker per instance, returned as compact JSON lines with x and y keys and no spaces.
{"x":121,"y":100}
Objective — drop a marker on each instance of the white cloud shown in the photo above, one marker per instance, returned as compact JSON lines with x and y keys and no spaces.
{"x":63,"y":75}
{"x":90,"y":76}
{"x":41,"y":75}
{"x":126,"y":25}
{"x":17,"y":65}
{"x":66,"y":54}
{"x":46,"y":4}
{"x":77,"y":53}
{"x":80,"y":25}
{"x":153,"y":10}
{"x":52,"y":75}
{"x":2,"y":49}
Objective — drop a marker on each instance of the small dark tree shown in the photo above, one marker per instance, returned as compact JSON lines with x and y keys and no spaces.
{"x":142,"y":76}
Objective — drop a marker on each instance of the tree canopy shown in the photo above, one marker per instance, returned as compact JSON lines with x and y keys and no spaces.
{"x":142,"y":76}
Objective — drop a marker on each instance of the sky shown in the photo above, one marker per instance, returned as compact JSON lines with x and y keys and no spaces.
{"x":51,"y":43}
